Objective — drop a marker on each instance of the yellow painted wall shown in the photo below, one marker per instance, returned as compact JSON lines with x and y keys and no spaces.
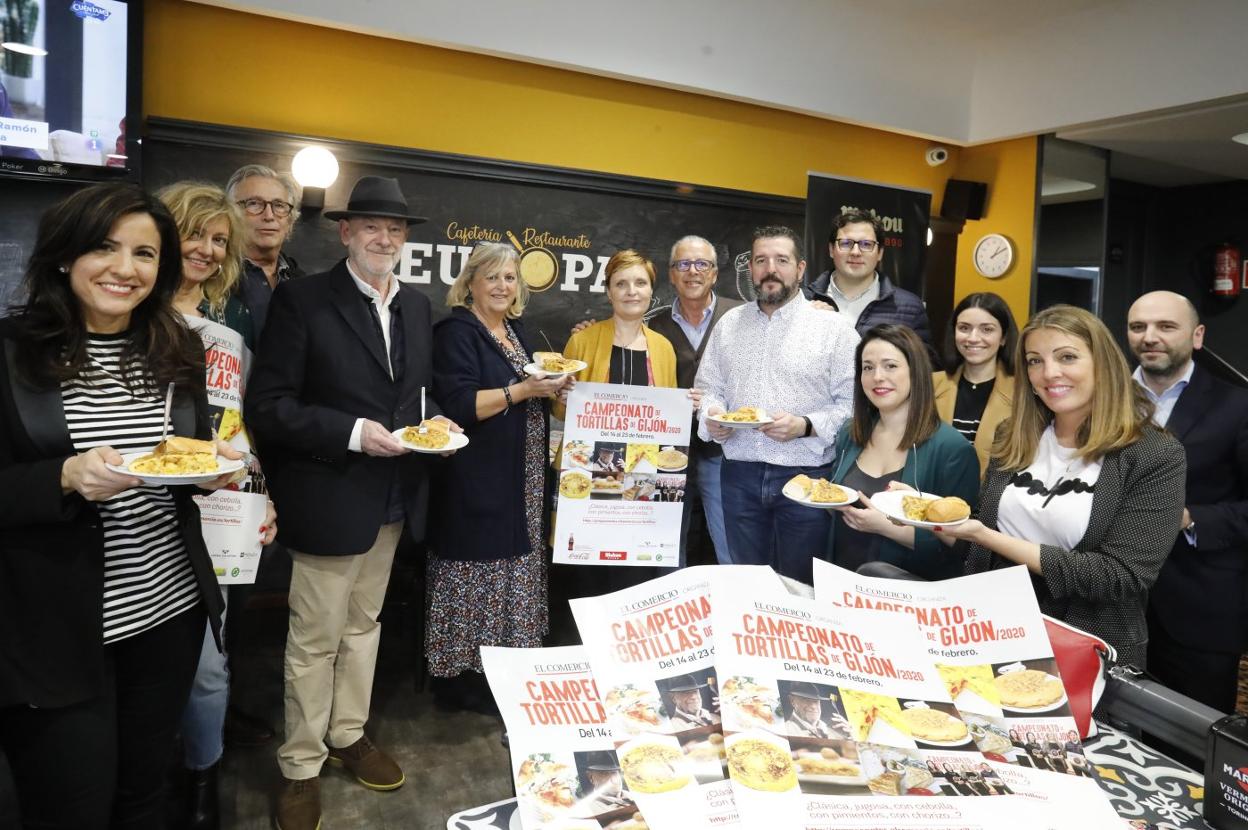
{"x":1010,"y":169}
{"x":203,"y":63}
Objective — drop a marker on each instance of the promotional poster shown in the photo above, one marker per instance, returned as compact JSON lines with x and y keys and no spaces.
{"x":622,"y":475}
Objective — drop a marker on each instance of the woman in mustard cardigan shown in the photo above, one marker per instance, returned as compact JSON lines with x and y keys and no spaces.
{"x":620,"y":349}
{"x":975,"y":393}
{"x":623,"y":349}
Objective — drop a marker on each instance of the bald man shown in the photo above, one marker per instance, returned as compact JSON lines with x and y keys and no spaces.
{"x":1198,"y":611}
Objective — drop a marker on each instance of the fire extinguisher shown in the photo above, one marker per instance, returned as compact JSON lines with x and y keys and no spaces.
{"x":1226,"y":270}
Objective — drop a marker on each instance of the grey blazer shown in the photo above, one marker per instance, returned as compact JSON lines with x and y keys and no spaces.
{"x":1102,"y":585}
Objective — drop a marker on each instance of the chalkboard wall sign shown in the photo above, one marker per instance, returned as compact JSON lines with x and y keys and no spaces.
{"x":565,"y":223}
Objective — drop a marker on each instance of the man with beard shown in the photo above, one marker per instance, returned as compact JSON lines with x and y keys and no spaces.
{"x":347,"y":358}
{"x":795,"y":362}
{"x":1197,"y":616}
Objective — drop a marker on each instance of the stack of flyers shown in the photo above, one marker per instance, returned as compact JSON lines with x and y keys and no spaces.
{"x":987,"y":637}
{"x":652,"y":652}
{"x":820,"y":703}
{"x":562,"y":754}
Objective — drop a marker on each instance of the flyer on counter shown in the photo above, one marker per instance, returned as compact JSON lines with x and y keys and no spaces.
{"x":622,"y":476}
{"x":822,"y":702}
{"x":987,"y":637}
{"x":1062,"y":801}
{"x":231,"y":516}
{"x":563,"y":757}
{"x":651,"y":648}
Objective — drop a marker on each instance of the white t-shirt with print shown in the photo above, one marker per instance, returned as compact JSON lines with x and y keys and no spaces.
{"x":1050,"y":502}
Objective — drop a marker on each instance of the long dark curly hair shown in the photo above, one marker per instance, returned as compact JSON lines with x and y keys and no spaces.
{"x":52,"y":334}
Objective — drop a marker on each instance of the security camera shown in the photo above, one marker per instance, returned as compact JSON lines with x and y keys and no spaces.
{"x":937,"y":156}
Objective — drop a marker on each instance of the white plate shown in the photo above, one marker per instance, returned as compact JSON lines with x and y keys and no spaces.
{"x":1048,"y":707}
{"x":795,"y":494}
{"x":889,"y":503}
{"x":458,"y":442}
{"x":534,"y":369}
{"x":739,"y":424}
{"x":224,"y":465}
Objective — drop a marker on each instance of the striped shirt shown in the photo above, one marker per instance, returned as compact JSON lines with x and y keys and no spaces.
{"x":147,"y":573}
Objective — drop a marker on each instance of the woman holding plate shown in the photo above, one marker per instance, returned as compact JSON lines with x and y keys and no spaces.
{"x":975,"y":392}
{"x":487,"y":563}
{"x":895,"y":439}
{"x":210,"y":228}
{"x":95,"y":665}
{"x":1082,"y":487}
{"x":621,"y":349}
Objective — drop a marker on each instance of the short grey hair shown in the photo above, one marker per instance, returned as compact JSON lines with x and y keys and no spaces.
{"x":294,"y":192}
{"x":692,"y":239}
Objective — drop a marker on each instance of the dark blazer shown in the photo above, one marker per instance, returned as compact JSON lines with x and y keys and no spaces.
{"x":479,"y":492}
{"x":1102,"y":585}
{"x":894,"y":305}
{"x":1201,"y":597}
{"x":52,"y":548}
{"x":320,"y":366}
{"x":944,"y":464}
{"x":688,"y":359}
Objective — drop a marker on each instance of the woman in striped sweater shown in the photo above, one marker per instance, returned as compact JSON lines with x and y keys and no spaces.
{"x":105,"y":583}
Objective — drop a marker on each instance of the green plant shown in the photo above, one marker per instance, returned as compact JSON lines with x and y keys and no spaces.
{"x":18,"y":26}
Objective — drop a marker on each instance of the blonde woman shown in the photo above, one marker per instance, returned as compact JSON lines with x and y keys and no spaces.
{"x":211,"y":230}
{"x":1081,"y":488}
{"x":487,"y":563}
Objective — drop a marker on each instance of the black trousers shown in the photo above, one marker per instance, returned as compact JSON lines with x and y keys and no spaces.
{"x":101,"y":763}
{"x":1211,"y":677}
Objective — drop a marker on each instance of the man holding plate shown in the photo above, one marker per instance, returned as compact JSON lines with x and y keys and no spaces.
{"x":795,"y":363}
{"x":349,"y":361}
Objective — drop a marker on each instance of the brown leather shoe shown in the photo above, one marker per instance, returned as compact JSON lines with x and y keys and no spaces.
{"x":370,"y":766}
{"x":299,"y":805}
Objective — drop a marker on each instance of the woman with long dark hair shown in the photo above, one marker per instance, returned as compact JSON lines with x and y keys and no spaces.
{"x":895,"y":439}
{"x":975,"y":392}
{"x":105,"y":583}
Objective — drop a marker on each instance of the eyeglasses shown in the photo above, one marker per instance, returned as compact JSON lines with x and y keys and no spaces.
{"x":864,"y":245}
{"x":698,"y":265}
{"x":256,"y":207}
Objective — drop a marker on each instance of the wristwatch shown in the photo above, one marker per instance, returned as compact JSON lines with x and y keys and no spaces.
{"x":810,"y":428}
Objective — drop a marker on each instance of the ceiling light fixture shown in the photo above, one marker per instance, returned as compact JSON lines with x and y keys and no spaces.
{"x":24,"y":49}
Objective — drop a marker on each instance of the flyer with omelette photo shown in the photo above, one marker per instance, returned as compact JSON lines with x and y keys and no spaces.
{"x":651,"y":651}
{"x":987,"y":637}
{"x":820,"y":703}
{"x":623,"y":468}
{"x":563,"y":759}
{"x":231,"y":517}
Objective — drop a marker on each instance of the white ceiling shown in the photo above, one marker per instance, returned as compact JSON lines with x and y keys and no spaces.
{"x":958,"y":71}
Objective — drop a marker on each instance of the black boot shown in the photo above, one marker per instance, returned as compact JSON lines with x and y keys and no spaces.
{"x":204,"y":812}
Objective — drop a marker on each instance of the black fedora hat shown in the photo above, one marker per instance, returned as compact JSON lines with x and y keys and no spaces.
{"x":602,"y":762}
{"x":807,"y":690}
{"x":685,"y":683}
{"x":376,"y":196}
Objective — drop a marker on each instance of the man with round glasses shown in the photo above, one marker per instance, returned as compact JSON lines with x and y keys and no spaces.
{"x":693,"y":269}
{"x":269,"y":202}
{"x":855,"y":287}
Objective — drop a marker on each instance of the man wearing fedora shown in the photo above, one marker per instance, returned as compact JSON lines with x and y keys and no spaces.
{"x":806,"y":702}
{"x":606,"y":786}
{"x":350,"y":357}
{"x":687,"y":706}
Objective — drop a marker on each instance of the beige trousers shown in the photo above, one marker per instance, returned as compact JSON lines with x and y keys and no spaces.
{"x":331,"y":650}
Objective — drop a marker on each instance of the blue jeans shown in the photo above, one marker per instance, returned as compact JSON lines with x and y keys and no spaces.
{"x":203,"y":719}
{"x":712,"y":505}
{"x":764,"y":527}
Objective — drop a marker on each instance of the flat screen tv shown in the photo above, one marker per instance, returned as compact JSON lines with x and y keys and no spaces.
{"x":69,"y":88}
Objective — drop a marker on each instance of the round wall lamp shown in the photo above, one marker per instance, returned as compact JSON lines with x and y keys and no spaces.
{"x":315,"y":168}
